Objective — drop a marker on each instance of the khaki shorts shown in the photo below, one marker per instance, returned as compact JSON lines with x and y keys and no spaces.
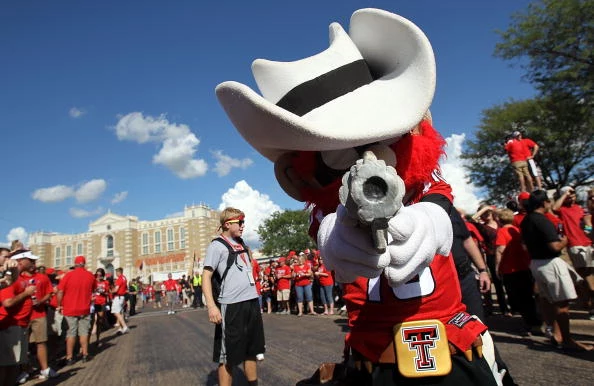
{"x":78,"y":325}
{"x":581,"y":257}
{"x":555,"y":279}
{"x":13,"y":346}
{"x":38,"y":328}
{"x":521,"y":168}
{"x":283,"y":295}
{"x":117,"y":304}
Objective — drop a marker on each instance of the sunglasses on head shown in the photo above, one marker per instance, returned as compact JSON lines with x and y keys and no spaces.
{"x":240,"y":222}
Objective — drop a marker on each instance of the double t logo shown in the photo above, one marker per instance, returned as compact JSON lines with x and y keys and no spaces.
{"x":422,"y":340}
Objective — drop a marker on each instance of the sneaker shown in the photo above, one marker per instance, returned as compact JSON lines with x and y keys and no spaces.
{"x":22,"y":378}
{"x":86,"y":358}
{"x":47,"y":373}
{"x":125,"y":330}
{"x":260,"y":357}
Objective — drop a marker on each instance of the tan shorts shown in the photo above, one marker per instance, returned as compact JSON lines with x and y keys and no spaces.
{"x":38,"y":328}
{"x":581,"y":257}
{"x":283,"y":295}
{"x":78,"y":325}
{"x":13,"y":346}
{"x":521,"y":168}
{"x":117,"y":304}
{"x":555,"y":279}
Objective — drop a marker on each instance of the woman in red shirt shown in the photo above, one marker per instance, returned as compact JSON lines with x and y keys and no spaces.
{"x":101,"y":298}
{"x":302,"y":277}
{"x":326,"y":285}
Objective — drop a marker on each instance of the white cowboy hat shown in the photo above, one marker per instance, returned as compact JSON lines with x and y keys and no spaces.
{"x":370,"y":85}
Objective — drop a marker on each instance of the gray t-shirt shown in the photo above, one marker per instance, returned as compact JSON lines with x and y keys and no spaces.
{"x":239,"y":283}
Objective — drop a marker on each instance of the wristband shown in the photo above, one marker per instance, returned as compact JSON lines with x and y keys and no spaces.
{"x":482,"y":270}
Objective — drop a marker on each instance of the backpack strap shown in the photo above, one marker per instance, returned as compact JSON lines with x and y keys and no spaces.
{"x":232,"y":254}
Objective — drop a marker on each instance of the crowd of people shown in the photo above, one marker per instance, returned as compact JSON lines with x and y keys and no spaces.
{"x":536,"y":252}
{"x":45,"y":313}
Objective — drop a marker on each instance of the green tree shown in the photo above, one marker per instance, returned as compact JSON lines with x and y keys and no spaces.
{"x":285,"y":231}
{"x":553,"y":41}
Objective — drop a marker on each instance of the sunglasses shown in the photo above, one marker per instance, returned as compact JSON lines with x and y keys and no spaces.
{"x":239,"y":222}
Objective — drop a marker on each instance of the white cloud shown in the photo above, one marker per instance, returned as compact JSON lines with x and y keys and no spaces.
{"x":256,"y":206}
{"x":53,"y":194}
{"x":90,"y":191}
{"x":18,"y":233}
{"x":178,"y":143}
{"x":465,"y":192}
{"x":75,"y":112}
{"x":225,"y":163}
{"x":119,"y":197}
{"x":82,"y":213}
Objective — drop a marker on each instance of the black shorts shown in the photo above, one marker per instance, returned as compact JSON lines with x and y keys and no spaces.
{"x":241,"y":335}
{"x":99,"y":307}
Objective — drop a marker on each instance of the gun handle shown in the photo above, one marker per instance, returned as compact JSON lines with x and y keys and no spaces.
{"x":379,"y":234}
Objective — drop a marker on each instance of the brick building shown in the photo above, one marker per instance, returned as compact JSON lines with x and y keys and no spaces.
{"x":142,"y":248}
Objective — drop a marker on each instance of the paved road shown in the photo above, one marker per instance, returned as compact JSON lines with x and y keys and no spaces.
{"x":176,"y":349}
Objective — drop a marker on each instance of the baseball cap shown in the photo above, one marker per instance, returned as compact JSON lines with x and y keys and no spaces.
{"x":280,"y":259}
{"x":25,"y":255}
{"x":523,"y":196}
{"x":80,"y":260}
{"x":50,"y":271}
{"x":516,"y":133}
{"x":565,"y":189}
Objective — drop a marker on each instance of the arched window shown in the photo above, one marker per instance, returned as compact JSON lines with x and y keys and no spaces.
{"x":109,"y":245}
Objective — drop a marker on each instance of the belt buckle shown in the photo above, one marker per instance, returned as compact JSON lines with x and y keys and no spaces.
{"x":422,"y":348}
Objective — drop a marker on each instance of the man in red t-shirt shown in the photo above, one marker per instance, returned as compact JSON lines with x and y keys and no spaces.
{"x":518,"y":150}
{"x":75,"y":292}
{"x":283,"y":286}
{"x":171,"y":290}
{"x":38,"y":321}
{"x":579,"y":245}
{"x":119,"y":299}
{"x":15,"y":313}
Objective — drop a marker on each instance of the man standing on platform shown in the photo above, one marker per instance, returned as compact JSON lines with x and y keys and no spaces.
{"x":239,"y":332}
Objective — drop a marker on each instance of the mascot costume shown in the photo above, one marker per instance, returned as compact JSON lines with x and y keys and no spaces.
{"x":349,"y":133}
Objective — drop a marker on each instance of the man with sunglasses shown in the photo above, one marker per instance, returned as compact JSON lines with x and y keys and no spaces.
{"x":239,"y":331}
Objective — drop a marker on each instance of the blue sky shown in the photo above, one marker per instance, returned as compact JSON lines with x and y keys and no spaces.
{"x":110,"y":105}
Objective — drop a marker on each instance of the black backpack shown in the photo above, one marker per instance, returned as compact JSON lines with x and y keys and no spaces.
{"x":217,"y":279}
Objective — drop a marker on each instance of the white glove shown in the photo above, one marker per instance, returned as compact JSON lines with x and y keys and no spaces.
{"x":415,"y":235}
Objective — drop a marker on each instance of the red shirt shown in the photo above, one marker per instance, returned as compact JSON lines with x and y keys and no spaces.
{"x":102,"y":292}
{"x":515,"y":257}
{"x":300,"y":271}
{"x":44,"y":287}
{"x":122,"y":284}
{"x":517,"y":150}
{"x":256,"y":274}
{"x":374,"y":307}
{"x":572,"y":217}
{"x":170,"y":285}
{"x":78,"y":286}
{"x":325,"y":280}
{"x":283,"y":284}
{"x":20,"y":314}
{"x":518,"y":218}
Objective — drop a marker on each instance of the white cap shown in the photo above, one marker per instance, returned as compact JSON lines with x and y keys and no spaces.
{"x":25,"y":255}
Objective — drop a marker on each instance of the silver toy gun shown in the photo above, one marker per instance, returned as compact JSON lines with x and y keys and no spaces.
{"x":372,"y":194}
